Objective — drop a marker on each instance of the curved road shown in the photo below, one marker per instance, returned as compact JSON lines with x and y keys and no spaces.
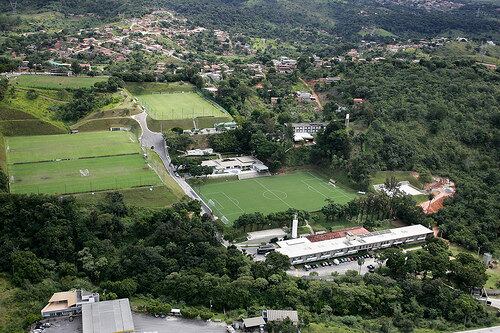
{"x":154,"y":140}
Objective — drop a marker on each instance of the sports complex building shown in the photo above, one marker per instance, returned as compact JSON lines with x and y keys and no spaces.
{"x":330,"y":245}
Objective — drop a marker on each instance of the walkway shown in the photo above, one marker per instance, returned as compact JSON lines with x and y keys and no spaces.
{"x":154,"y":140}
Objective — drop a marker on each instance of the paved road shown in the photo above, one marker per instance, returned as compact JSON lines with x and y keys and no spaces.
{"x":155,"y":141}
{"x":495,"y":329}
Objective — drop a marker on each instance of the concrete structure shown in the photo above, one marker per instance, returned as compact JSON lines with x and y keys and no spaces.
{"x":200,"y":152}
{"x":280,"y":315}
{"x":107,"y":317}
{"x":295,"y":226}
{"x":253,"y":323}
{"x":303,"y":96}
{"x":303,"y":137}
{"x":404,"y":188}
{"x":302,"y":250}
{"x":68,"y":303}
{"x":236,"y":165}
{"x":311,"y":128}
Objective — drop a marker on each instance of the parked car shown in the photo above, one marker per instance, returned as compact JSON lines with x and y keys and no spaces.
{"x":336,"y":262}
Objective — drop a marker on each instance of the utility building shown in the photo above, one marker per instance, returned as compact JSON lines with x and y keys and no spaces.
{"x":108,"y":317}
{"x":304,"y":250}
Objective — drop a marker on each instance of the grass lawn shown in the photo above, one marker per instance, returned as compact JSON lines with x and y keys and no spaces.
{"x":301,"y":190}
{"x":82,"y":175}
{"x":179,"y":105}
{"x":41,"y":107}
{"x":300,"y":86}
{"x":145,"y":88}
{"x":56,"y":82}
{"x":149,"y":197}
{"x":24,"y":149}
{"x":84,"y":162}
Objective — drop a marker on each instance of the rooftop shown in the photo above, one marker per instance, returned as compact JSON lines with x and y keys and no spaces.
{"x":280,"y":315}
{"x":302,"y":246}
{"x":107,"y":317}
{"x":253,"y":322}
{"x":337,"y":234}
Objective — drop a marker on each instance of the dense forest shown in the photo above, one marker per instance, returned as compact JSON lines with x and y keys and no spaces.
{"x":173,"y":257}
{"x":436,"y":116}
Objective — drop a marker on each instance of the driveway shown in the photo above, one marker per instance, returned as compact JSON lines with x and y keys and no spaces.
{"x":154,"y":140}
{"x":149,"y":324}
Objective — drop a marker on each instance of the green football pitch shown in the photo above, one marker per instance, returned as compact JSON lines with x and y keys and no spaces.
{"x":82,"y":175}
{"x":179,"y":105}
{"x":56,"y":82}
{"x":84,"y":162}
{"x":302,"y":190}
{"x":24,"y":149}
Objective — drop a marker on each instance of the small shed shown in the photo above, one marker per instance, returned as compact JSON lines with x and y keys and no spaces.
{"x":254,"y":322}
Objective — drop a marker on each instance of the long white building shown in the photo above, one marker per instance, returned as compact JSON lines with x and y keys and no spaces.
{"x":302,"y":250}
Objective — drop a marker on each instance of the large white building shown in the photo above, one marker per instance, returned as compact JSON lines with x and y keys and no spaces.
{"x":236,"y":165}
{"x":302,"y":250}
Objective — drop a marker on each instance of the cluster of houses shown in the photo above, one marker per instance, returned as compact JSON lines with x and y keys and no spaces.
{"x":285,"y":65}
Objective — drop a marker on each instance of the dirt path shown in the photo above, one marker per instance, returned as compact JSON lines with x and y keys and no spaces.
{"x":316,"y":97}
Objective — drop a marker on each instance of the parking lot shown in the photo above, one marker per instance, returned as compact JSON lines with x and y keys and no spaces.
{"x":328,"y":269}
{"x":62,"y":325}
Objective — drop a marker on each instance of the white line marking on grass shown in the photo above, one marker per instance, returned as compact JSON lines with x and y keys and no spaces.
{"x":265,"y":187}
{"x":233,"y":201}
{"x":322,"y":181}
{"x":313,"y":189}
{"x":217,"y":202}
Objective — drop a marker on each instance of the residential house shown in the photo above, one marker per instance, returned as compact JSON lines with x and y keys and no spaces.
{"x":68,"y":303}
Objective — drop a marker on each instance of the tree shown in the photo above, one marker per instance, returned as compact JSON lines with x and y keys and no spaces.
{"x":31,"y":94}
{"x":277,"y":262}
{"x":361,"y":261}
{"x":4,"y":181}
{"x":4,"y":86}
{"x":26,"y":266}
{"x":391,"y":185}
{"x":468,"y":272}
{"x":76,"y":68}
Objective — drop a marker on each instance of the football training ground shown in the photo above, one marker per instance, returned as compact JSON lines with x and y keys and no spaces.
{"x":302,"y":190}
{"x":174,"y":101}
{"x":84,"y":162}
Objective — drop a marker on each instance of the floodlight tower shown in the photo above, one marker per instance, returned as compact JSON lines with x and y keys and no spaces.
{"x":295,"y":226}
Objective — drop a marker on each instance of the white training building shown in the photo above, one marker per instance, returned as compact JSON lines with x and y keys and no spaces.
{"x":236,"y":165}
{"x":302,"y":250}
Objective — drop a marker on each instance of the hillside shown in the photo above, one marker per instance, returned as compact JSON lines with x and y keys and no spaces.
{"x":317,"y":21}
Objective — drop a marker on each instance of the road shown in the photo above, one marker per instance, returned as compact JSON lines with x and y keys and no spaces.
{"x":495,"y":329}
{"x":154,"y":140}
